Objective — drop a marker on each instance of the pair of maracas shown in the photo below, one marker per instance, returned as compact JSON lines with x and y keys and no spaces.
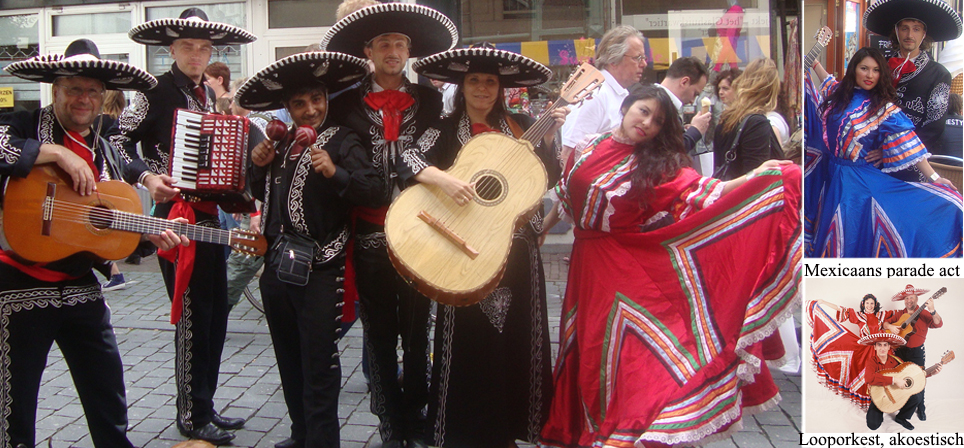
{"x":303,"y":137}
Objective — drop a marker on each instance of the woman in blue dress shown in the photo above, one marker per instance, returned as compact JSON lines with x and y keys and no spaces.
{"x":852,"y":208}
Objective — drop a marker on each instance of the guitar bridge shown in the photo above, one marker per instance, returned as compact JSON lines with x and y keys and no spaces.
{"x":48,"y":208}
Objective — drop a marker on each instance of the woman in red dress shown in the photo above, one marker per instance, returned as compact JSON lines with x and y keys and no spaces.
{"x":675,"y":278}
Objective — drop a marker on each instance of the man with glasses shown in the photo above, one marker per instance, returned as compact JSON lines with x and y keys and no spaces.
{"x":197,"y":283}
{"x":61,"y":301}
{"x":621,"y":57}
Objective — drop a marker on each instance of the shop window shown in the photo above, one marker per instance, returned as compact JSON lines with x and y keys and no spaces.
{"x":301,"y":13}
{"x":19,"y":40}
{"x":159,"y":58}
{"x":87,"y":24}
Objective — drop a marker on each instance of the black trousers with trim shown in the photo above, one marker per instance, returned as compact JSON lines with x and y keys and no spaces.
{"x":75,"y":316}
{"x":390,"y":308}
{"x":305,"y":326}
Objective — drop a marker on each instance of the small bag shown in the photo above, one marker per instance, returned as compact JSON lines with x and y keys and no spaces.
{"x":295,"y":256}
{"x":724,"y":170}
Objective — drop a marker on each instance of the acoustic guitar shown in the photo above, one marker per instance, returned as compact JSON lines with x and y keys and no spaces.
{"x":456,"y":254}
{"x":891,"y":398}
{"x":823,"y":38}
{"x":906,"y":320}
{"x":46,"y":220}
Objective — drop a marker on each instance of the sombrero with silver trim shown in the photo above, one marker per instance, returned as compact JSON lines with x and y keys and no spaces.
{"x":429,"y":30}
{"x":874,"y":338}
{"x":942,"y":21}
{"x":192,"y":24}
{"x":907,"y":291}
{"x":335,"y":71}
{"x":513,"y":69}
{"x":81,"y":58}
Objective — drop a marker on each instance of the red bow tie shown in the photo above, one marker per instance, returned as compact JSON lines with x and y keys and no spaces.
{"x":909,"y":67}
{"x":390,"y":103}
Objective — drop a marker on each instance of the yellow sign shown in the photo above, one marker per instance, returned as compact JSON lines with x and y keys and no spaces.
{"x":6,"y":96}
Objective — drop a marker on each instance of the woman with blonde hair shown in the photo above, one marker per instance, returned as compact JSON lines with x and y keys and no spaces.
{"x":745,"y":138}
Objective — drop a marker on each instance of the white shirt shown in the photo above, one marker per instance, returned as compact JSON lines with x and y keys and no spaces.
{"x":600,"y":114}
{"x":676,"y":101}
{"x":783,"y":130}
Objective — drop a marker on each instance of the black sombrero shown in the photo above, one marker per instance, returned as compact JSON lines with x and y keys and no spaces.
{"x":943,"y":22}
{"x":83,"y":59}
{"x":513,"y":69}
{"x":335,"y":71}
{"x":192,"y":24}
{"x":430,"y":31}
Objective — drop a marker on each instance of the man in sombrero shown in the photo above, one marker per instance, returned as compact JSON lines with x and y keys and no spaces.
{"x":395,"y":120}
{"x":923,"y":85}
{"x":913,"y":351}
{"x":307,"y":195}
{"x":883,"y":360}
{"x":61,"y":301}
{"x":197,"y":283}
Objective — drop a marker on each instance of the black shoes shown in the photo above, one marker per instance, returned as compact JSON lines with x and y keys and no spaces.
{"x":393,"y":444}
{"x":290,"y":443}
{"x":207,"y":433}
{"x":921,"y":415}
{"x":226,"y":423}
{"x":906,"y":424}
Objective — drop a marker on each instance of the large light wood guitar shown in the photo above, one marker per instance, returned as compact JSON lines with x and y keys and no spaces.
{"x":45,"y":220}
{"x":906,"y":320}
{"x":891,"y":398}
{"x":456,"y":254}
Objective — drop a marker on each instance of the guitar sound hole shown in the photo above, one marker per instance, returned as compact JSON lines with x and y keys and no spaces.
{"x":488,"y":188}
{"x":100,"y":217}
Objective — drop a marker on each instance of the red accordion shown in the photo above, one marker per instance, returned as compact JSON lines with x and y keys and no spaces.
{"x":209,"y":152}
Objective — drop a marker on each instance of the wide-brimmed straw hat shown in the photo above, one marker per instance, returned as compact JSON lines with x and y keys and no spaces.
{"x":874,"y":338}
{"x":81,"y":58}
{"x":430,"y":31}
{"x":334,"y":71}
{"x":907,"y":291}
{"x":193,"y":23}
{"x":513,"y":69}
{"x":942,"y":21}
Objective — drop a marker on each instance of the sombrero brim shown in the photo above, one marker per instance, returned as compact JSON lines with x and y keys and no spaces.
{"x":115,"y":75}
{"x":903,"y":294}
{"x":430,"y":31}
{"x":880,"y":337}
{"x":513,"y":69}
{"x":164,"y":32}
{"x":943,"y":22}
{"x":335,"y":71}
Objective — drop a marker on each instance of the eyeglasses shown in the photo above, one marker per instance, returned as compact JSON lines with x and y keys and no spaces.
{"x":636,"y":59}
{"x":75,"y":92}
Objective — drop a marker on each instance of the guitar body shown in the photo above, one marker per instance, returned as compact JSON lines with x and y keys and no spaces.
{"x":510,"y":182}
{"x":69,"y":231}
{"x":889,"y":398}
{"x":906,"y":331}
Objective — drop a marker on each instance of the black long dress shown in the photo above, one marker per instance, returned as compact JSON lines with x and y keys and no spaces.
{"x":491,"y":377}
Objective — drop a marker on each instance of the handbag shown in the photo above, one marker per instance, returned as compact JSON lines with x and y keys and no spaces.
{"x":294,"y":255}
{"x":723,"y":171}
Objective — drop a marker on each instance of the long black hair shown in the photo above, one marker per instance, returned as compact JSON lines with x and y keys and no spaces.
{"x":493,"y":118}
{"x":881,"y":94}
{"x":660,"y":159}
{"x":876,"y":303}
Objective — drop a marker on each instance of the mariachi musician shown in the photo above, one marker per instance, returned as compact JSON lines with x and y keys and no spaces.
{"x":492,"y":375}
{"x":307,"y":195}
{"x":61,"y":301}
{"x":883,"y":360}
{"x":199,"y":307}
{"x":913,"y":351}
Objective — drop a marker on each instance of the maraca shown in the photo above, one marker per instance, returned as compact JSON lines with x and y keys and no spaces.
{"x":276,"y":130}
{"x":304,"y":136}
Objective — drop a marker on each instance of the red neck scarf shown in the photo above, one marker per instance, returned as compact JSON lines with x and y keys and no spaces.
{"x":479,"y":128}
{"x":76,"y":144}
{"x":183,"y":256}
{"x":896,"y":62}
{"x":390,"y":103}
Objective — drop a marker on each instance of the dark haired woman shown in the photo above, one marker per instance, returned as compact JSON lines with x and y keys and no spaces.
{"x":656,"y":323}
{"x":492,"y":371}
{"x":852,"y":208}
{"x":838,"y":359}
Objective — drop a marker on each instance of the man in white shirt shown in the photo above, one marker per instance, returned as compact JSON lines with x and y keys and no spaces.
{"x":621,"y":57}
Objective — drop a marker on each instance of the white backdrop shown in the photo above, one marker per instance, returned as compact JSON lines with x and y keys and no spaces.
{"x":825,"y":412}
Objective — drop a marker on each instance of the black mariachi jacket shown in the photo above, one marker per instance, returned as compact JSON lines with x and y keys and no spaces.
{"x":149,"y":119}
{"x":396,"y":164}
{"x":297,"y":199}
{"x":923,"y":95}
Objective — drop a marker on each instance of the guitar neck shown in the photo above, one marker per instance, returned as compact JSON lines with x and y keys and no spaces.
{"x":930,"y":370}
{"x":539,"y":129}
{"x":130,"y":222}
{"x":813,"y":54}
